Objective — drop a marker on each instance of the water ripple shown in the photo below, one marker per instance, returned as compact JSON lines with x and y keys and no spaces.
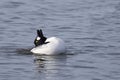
{"x":12,"y":4}
{"x":90,"y":29}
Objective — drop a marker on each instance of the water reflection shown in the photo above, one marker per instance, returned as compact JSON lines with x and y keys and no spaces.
{"x":50,"y":62}
{"x":51,"y":66}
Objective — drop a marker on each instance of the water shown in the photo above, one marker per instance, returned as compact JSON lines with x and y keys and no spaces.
{"x":90,"y":28}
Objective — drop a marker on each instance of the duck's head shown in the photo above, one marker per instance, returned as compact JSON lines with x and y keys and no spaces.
{"x":40,"y":39}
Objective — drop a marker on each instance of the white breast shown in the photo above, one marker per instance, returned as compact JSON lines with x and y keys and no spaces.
{"x":55,"y":46}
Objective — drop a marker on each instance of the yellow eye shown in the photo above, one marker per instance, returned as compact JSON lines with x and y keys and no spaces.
{"x":36,"y":41}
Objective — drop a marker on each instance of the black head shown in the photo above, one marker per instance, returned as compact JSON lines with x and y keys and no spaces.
{"x":40,"y":39}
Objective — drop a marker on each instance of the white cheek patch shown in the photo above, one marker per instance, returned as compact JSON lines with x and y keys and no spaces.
{"x":38,"y":38}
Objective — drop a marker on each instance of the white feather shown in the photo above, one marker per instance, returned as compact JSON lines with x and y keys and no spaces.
{"x":38,"y":38}
{"x":55,"y":46}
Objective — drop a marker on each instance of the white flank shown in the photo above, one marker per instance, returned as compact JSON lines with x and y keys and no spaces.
{"x":55,"y":46}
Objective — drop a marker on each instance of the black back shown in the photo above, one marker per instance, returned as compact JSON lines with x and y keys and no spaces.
{"x":42,"y":38}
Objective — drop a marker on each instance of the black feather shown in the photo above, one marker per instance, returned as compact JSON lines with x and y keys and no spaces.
{"x":42,"y":38}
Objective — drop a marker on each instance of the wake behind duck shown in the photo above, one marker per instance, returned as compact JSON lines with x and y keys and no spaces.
{"x":48,"y":46}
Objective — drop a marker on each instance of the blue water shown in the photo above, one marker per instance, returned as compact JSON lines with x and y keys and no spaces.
{"x":90,"y":29}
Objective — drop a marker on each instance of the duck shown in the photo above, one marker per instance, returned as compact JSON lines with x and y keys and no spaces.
{"x":48,"y":46}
